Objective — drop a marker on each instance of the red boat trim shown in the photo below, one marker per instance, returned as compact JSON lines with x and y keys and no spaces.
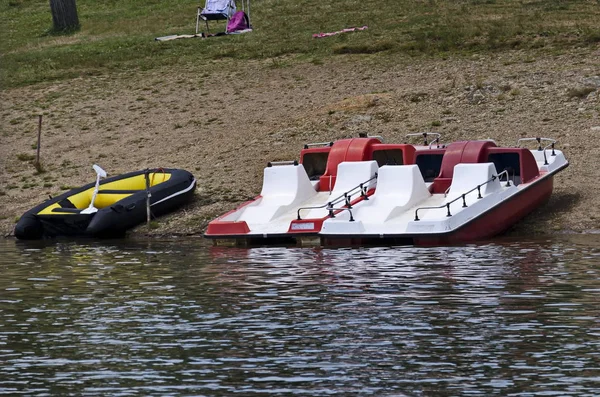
{"x":306,"y":226}
{"x":219,"y":228}
{"x":314,"y":225}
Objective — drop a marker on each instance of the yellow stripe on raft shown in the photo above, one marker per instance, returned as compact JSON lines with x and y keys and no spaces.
{"x":106,"y":200}
{"x":82,"y":200}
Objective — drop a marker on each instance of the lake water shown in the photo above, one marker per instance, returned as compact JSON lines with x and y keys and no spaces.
{"x":179,"y":317}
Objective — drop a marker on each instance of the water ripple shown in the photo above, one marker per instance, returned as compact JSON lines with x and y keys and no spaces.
{"x":182,"y":318}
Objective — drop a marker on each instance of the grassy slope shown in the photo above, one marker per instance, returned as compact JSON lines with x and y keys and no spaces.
{"x":118,"y":35}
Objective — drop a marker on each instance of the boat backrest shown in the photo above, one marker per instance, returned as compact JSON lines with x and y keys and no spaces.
{"x":399,"y":187}
{"x":352,"y":173}
{"x":468,"y":176}
{"x":284,"y":184}
{"x":284,"y":187}
{"x":400,"y":182}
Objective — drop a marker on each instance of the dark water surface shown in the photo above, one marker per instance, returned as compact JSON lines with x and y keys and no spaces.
{"x":179,"y":317}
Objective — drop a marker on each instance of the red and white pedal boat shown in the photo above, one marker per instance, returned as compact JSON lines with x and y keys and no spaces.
{"x":361,"y":191}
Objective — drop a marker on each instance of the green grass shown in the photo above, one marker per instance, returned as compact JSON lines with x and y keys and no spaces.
{"x":118,"y":36}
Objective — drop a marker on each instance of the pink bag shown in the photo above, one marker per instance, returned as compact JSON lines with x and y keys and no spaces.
{"x":239,"y":21}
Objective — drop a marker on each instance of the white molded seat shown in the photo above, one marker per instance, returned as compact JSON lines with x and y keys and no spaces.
{"x":284,"y":187}
{"x":468,"y":176}
{"x":399,"y":187}
{"x":350,"y":174}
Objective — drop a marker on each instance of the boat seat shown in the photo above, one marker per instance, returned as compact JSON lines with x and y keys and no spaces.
{"x":67,"y":210}
{"x":399,"y":187}
{"x":284,"y":187}
{"x":350,"y":174}
{"x":66,"y":203}
{"x":468,"y":176}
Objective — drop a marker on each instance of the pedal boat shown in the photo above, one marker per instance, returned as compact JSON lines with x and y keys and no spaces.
{"x":109,"y":207}
{"x":362,"y":191}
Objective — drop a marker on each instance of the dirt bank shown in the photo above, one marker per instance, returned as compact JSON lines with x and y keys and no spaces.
{"x":225,"y":127}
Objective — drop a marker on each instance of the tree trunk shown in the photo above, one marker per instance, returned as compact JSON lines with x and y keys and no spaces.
{"x":64,"y":15}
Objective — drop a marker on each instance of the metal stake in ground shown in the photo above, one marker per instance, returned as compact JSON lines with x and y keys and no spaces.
{"x":39,"y":142}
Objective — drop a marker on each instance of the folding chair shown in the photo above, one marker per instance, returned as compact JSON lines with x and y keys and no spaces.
{"x":221,"y":10}
{"x":215,"y":10}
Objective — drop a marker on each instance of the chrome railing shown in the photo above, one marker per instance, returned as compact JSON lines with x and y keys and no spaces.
{"x":379,"y":137}
{"x":346,"y":198}
{"x":287,"y":162}
{"x":309,"y":145}
{"x":425,"y":136}
{"x":540,"y":148}
{"x":463,"y":196}
{"x":349,"y":209}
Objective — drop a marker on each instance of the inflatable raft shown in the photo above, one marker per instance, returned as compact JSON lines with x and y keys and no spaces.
{"x":108,"y":207}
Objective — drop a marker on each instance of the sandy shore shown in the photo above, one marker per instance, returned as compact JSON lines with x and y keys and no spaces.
{"x":225,"y":127}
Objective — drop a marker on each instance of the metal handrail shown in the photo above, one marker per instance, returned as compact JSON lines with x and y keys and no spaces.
{"x":425,"y":135}
{"x":349,"y":209}
{"x":346,"y":197}
{"x":539,"y":141}
{"x":463,"y":196}
{"x":436,"y":141}
{"x":509,"y":177}
{"x":286,"y":162}
{"x":365,"y":135}
{"x":309,"y":145}
{"x":376,"y":137}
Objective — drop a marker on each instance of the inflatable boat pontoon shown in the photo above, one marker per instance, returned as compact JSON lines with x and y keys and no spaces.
{"x":108,"y":207}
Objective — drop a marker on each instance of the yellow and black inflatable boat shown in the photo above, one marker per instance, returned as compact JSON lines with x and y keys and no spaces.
{"x":108,"y":207}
